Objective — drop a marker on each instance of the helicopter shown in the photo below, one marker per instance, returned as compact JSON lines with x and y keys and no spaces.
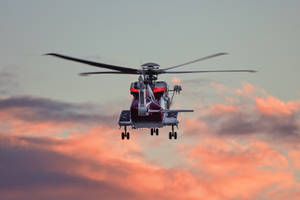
{"x":151,"y":103}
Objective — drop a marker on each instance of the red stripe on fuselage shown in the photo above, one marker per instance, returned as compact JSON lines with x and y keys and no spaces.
{"x":159,"y":90}
{"x":134,"y":90}
{"x":155,"y":90}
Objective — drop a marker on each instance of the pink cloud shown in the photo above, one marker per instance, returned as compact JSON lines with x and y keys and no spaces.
{"x":294,"y":155}
{"x":92,"y":161}
{"x":218,"y":168}
{"x":273,"y":106}
{"x":221,"y":108}
{"x":239,"y":171}
{"x":246,"y":90}
{"x":218,"y":87}
{"x":193,"y":125}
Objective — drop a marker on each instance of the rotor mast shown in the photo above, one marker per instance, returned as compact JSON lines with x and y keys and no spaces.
{"x":149,"y":72}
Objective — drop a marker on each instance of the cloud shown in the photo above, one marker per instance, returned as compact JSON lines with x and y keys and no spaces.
{"x":247,"y":89}
{"x":220,"y":89}
{"x":8,"y":81}
{"x":249,"y":112}
{"x":89,"y":165}
{"x":232,"y":151}
{"x":221,"y":108}
{"x":94,"y":166}
{"x":242,"y":171}
{"x":48,"y":173}
{"x":27,"y":115}
{"x":274,"y":106}
{"x":36,"y":109}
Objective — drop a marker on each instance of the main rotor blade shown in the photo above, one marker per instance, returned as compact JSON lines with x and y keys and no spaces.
{"x":186,"y":72}
{"x":96,"y":64}
{"x":197,"y":60}
{"x":90,"y":73}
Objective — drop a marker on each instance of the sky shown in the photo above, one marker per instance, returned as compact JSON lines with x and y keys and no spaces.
{"x":59,"y":137}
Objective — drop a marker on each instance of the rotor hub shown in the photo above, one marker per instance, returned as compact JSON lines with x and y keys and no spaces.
{"x":150,"y":65}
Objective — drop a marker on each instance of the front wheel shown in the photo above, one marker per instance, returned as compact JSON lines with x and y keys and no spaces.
{"x":128,"y":136}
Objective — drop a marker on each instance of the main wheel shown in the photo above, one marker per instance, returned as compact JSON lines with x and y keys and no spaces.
{"x":157,"y":131}
{"x":175,"y":135}
{"x":128,"y":136}
{"x":170,"y":135}
{"x":152,"y":130}
{"x":123,"y":135}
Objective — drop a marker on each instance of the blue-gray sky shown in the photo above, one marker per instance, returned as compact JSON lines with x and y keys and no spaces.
{"x":260,"y":35}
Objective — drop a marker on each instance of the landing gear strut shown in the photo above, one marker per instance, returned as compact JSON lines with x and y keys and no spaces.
{"x":173,"y":134}
{"x":153,"y":130}
{"x":125,"y":134}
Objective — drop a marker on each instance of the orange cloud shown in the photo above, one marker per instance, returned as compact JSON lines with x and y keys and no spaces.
{"x":91,"y":161}
{"x":18,"y":126}
{"x":294,"y":155}
{"x":247,"y":89}
{"x":243,"y":172}
{"x":216,"y":168}
{"x":221,"y":108}
{"x":193,"y":125}
{"x":39,"y":116}
{"x":218,"y":87}
{"x":273,"y":106}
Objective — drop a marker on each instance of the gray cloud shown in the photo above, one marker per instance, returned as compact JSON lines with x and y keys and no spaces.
{"x":43,"y":109}
{"x":8,"y":81}
{"x":245,"y":123}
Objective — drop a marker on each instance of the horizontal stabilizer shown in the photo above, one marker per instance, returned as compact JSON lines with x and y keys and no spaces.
{"x":169,"y":111}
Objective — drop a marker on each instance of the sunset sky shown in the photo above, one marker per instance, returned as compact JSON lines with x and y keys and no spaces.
{"x":59,"y":137}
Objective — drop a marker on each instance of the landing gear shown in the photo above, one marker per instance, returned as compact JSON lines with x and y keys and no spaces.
{"x":125,"y":134}
{"x":153,"y":130}
{"x":173,"y":134}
